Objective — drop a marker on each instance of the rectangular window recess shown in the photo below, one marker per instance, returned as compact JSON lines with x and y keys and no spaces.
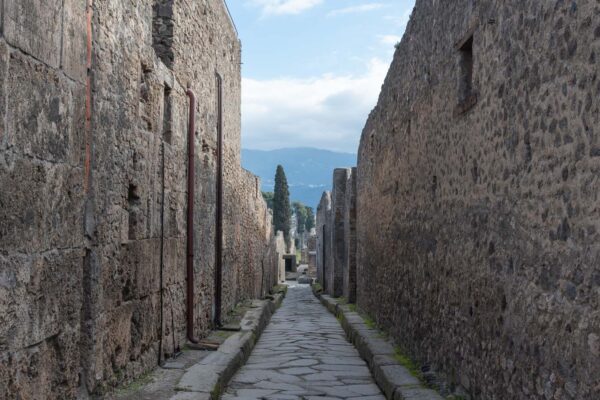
{"x":467,"y":96}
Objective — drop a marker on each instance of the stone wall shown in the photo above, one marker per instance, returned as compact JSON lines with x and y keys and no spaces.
{"x":335,"y":271}
{"x":93,"y":170}
{"x":311,"y":252}
{"x":349,"y":267}
{"x":336,"y":236}
{"x":42,"y":147}
{"x":323,"y":228}
{"x":478,"y":226}
{"x":280,"y":248}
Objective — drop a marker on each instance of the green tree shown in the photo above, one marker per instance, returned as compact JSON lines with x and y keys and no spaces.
{"x":268,"y":196}
{"x":310,"y":219}
{"x":300,"y":211}
{"x":282,"y":212}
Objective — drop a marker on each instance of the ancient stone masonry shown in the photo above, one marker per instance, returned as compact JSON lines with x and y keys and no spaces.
{"x":335,"y":274}
{"x":93,"y":170}
{"x":311,"y":254}
{"x":336,"y":236}
{"x":349,"y":267}
{"x":478,"y":231}
{"x":323,"y":228}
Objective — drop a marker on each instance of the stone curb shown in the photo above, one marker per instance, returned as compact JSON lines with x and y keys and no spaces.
{"x":207,"y":379}
{"x":396,"y":382}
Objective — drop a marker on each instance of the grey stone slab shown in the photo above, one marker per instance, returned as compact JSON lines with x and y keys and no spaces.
{"x":413,"y":393}
{"x":35,"y":26}
{"x":191,"y":396}
{"x":391,"y":376}
{"x":199,"y":378}
{"x":304,"y":353}
{"x":74,"y":47}
{"x":255,"y":393}
{"x":297,"y":371}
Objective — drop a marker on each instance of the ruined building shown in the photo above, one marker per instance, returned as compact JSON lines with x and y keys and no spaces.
{"x":127,"y":226}
{"x":477,"y":225}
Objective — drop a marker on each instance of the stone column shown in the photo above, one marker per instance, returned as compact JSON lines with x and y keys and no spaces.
{"x":338,"y":238}
{"x":350,"y":237}
{"x":323,"y":237}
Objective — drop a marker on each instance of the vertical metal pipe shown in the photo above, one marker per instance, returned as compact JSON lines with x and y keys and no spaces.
{"x":219,"y":205}
{"x":190,"y":217}
{"x":162,"y":253}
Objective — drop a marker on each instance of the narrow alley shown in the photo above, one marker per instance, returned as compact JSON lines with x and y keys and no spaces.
{"x":299,"y":199}
{"x":303,"y":354}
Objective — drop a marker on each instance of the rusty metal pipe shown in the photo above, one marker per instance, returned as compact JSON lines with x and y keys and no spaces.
{"x":190,"y":217}
{"x":219,"y":208}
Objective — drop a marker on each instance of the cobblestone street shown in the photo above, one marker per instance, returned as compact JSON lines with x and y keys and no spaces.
{"x":303,"y":354}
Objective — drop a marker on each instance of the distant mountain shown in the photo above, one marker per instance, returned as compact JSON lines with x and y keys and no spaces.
{"x":309,"y":171}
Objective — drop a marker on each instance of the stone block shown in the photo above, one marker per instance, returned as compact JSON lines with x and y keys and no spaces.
{"x":35,"y":27}
{"x":39,"y":296}
{"x":349,"y":282}
{"x":390,"y":377}
{"x":53,"y":360}
{"x":116,"y":339}
{"x":46,"y":210}
{"x":141,"y":261}
{"x":74,"y":40}
{"x":145,"y":320}
{"x":415,"y":393}
{"x":335,"y":280}
{"x":191,"y":396}
{"x":323,"y":230}
{"x":199,"y":378}
{"x":46,"y":121}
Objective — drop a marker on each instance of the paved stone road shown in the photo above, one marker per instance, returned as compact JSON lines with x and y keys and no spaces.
{"x":303,"y":354}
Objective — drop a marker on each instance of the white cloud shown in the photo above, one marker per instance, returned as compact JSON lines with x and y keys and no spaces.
{"x":356,"y":9}
{"x":326,"y":112}
{"x":389,"y":39}
{"x":280,"y":7}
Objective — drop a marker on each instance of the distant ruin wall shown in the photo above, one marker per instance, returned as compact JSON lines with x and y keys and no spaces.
{"x":336,"y":236}
{"x":324,"y":248}
{"x":84,"y":229}
{"x":478,"y":224}
{"x":349,"y":266}
{"x":335,"y":272}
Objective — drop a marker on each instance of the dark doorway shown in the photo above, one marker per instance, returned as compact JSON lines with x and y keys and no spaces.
{"x":288,"y":265}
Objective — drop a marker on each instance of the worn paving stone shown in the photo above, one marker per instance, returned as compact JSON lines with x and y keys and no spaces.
{"x":303,"y":354}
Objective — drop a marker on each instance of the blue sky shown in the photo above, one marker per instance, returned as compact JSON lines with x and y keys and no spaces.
{"x":313,"y":68}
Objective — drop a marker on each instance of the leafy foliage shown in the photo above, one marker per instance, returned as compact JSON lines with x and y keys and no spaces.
{"x":268,"y":196}
{"x":310,"y":219}
{"x":282,"y":212}
{"x":301,"y":215}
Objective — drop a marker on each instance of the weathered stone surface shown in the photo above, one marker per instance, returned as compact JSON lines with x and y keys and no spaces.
{"x":415,"y":393}
{"x":392,"y":376}
{"x":335,"y":274}
{"x":349,"y":270}
{"x":336,"y":236}
{"x":379,"y":353}
{"x":191,"y":396}
{"x":477,"y":222}
{"x":74,"y":46}
{"x":324,"y":247}
{"x":303,"y":353}
{"x":84,"y":230}
{"x":35,"y":27}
